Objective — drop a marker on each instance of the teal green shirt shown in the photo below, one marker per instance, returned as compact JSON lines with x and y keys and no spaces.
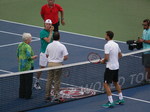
{"x":24,"y":54}
{"x":146,"y":36}
{"x":44,"y":34}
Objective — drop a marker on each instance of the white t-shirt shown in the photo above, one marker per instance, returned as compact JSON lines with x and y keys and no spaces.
{"x":112,"y":48}
{"x":56,"y":52}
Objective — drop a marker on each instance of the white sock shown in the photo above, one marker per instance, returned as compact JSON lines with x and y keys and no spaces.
{"x":110,"y":99}
{"x":120,"y":96}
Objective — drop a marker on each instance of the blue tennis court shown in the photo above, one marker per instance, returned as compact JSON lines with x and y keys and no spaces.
{"x":137,"y":99}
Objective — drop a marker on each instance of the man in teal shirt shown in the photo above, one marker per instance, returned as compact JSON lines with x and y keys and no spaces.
{"x":46,"y":38}
{"x":146,"y":45}
{"x":25,"y":57}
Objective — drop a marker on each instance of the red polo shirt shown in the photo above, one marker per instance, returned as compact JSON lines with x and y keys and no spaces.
{"x":51,"y":12}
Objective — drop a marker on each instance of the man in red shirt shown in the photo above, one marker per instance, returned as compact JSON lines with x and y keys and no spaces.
{"x":51,"y":11}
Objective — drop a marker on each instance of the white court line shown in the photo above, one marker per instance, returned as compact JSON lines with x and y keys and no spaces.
{"x":88,"y":36}
{"x":5,"y":71}
{"x":136,"y":99}
{"x":76,"y":45}
{"x":14,"y":34}
{"x":7,"y":45}
{"x":37,"y":39}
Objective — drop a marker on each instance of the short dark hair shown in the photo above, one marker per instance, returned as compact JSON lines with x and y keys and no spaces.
{"x":56,"y":36}
{"x":147,"y":21}
{"x":110,"y":34}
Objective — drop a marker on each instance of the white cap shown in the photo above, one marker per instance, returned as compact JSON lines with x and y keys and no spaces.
{"x":48,"y":21}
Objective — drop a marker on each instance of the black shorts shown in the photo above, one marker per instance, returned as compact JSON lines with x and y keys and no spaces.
{"x":110,"y":75}
{"x":146,"y":60}
{"x":56,"y":27}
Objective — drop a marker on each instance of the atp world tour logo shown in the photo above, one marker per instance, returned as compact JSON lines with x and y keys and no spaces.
{"x":75,"y":92}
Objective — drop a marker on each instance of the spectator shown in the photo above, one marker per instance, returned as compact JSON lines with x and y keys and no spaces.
{"x":51,"y":11}
{"x":146,"y":45}
{"x":112,"y":54}
{"x":56,"y":53}
{"x":25,"y":57}
{"x":45,"y":37}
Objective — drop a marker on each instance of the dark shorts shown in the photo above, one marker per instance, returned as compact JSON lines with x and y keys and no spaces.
{"x":146,"y":60}
{"x":110,"y":75}
{"x":56,"y":27}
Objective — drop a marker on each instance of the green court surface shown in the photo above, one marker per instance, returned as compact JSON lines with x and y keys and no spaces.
{"x":90,"y":17}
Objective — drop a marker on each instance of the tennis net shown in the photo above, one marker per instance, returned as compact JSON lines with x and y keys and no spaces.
{"x":78,"y":80}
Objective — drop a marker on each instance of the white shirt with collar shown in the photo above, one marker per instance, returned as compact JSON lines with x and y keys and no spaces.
{"x":56,"y":52}
{"x":112,"y":48}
